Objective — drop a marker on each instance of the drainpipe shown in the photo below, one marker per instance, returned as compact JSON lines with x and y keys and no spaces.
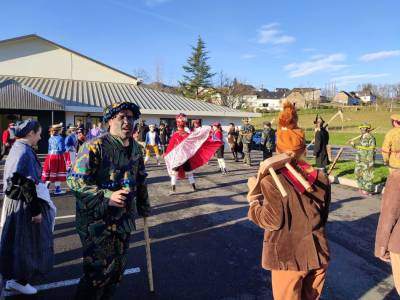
{"x":52,"y":117}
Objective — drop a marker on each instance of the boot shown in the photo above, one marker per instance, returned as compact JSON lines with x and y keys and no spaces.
{"x":235,"y":156}
{"x":173,"y":190}
{"x":224,"y":172}
{"x":194,"y":187}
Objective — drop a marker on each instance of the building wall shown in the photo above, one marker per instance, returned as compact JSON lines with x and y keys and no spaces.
{"x":37,"y":58}
{"x":298,"y":98}
{"x":305,"y":99}
{"x":273,"y":104}
{"x":341,"y":98}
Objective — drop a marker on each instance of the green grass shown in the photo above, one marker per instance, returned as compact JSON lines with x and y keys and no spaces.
{"x":352,"y":119}
{"x":346,"y":169}
{"x":341,"y":138}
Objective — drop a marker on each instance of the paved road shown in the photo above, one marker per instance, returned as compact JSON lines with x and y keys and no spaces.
{"x":204,"y":248}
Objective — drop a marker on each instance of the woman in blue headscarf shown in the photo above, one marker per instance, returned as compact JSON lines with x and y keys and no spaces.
{"x":26,"y":247}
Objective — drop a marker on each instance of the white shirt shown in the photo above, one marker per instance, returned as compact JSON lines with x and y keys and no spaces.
{"x":152,"y":138}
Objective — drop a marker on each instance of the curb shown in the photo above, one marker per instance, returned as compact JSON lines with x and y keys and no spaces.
{"x":352,"y":183}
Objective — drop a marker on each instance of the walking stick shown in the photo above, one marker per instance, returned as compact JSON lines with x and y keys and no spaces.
{"x":148,"y":255}
{"x":335,"y":160}
{"x":358,"y":136}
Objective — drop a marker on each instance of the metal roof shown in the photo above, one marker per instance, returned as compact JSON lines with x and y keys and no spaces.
{"x":94,"y":96}
{"x":14,"y":95}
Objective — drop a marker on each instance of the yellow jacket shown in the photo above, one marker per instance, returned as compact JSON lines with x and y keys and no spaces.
{"x":391,"y":148}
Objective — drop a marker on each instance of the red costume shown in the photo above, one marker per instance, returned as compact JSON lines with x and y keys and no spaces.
{"x":187,"y":152}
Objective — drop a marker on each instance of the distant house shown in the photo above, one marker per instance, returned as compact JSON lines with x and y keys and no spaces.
{"x":346,"y":98}
{"x":249,"y":100}
{"x":269,"y":100}
{"x":367,"y":97}
{"x":304,"y":97}
{"x":264,"y":100}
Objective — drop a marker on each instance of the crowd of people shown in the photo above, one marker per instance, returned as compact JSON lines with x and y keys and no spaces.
{"x":106,"y":172}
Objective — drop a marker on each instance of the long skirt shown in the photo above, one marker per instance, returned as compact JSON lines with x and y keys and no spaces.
{"x":26,"y":248}
{"x":54,"y":168}
{"x":69,"y":157}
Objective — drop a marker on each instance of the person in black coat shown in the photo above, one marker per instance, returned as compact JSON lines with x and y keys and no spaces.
{"x":321,"y":143}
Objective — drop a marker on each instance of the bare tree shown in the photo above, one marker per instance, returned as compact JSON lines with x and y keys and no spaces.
{"x":159,"y":72}
{"x":330,"y":90}
{"x":141,"y":74}
{"x":232,"y":90}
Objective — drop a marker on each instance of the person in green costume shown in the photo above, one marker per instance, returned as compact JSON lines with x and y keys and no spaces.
{"x":365,"y":158}
{"x":109,"y":183}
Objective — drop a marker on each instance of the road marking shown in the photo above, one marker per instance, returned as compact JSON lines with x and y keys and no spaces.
{"x":64,"y":283}
{"x":65,"y":217}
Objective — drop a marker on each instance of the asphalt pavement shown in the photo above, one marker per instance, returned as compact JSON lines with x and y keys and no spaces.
{"x":204,"y":247}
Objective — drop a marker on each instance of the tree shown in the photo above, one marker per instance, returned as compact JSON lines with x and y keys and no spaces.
{"x":141,"y":74}
{"x":232,"y":91}
{"x":196,"y":81}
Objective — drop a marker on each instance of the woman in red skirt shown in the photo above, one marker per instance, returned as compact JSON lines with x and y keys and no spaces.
{"x":54,"y":169}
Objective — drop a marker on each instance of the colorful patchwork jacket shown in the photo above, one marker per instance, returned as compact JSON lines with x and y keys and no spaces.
{"x":104,"y":165}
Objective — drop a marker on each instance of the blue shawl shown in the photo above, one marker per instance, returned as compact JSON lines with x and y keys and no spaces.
{"x":22,"y":159}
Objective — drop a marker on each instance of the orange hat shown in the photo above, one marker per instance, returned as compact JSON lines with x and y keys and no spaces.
{"x":290,"y":138}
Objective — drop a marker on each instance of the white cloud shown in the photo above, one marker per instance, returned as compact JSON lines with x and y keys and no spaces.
{"x":247,"y":56}
{"x":271,"y":34}
{"x":358,"y":78}
{"x":318,"y":63}
{"x":379,"y":55}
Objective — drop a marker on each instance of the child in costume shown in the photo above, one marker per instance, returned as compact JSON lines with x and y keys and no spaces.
{"x":71,"y":142}
{"x":233,"y":141}
{"x":164,"y":137}
{"x":217,"y":135}
{"x":152,"y":143}
{"x":54,"y":169}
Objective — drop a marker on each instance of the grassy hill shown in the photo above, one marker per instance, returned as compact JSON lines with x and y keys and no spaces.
{"x":352,"y":119}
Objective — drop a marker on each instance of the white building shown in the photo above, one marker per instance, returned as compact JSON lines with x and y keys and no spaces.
{"x":265,"y":100}
{"x":262,"y":105}
{"x":367,"y":97}
{"x":44,"y":80}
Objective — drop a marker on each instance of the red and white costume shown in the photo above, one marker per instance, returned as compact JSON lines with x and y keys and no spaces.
{"x":188,"y":151}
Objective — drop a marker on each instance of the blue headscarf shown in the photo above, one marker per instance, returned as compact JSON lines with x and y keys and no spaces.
{"x":111,"y":110}
{"x":22,"y":128}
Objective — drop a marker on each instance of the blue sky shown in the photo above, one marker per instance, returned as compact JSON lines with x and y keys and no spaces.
{"x":285,"y":43}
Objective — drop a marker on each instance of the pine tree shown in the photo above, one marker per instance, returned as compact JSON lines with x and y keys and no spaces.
{"x":198,"y":73}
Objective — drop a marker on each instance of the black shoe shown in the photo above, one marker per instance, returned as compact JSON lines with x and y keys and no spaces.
{"x":172,"y":191}
{"x":194,"y":187}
